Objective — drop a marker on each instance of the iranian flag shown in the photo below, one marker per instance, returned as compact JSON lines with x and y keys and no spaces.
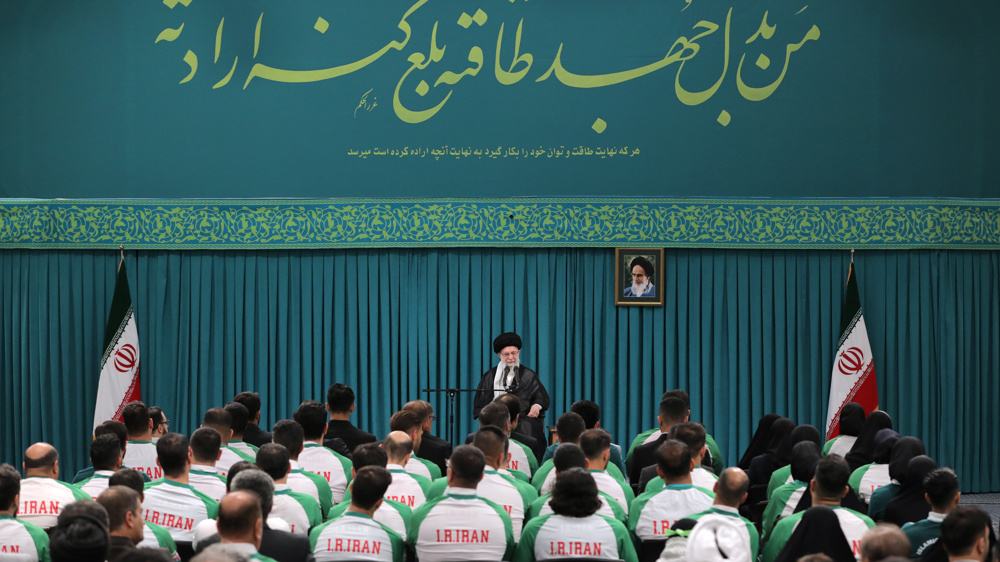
{"x":853,"y":378}
{"x":119,"y":383}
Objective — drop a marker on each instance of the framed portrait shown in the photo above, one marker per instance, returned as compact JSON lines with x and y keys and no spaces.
{"x":638,"y":276}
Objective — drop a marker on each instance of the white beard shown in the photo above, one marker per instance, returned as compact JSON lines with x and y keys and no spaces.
{"x":638,"y":290}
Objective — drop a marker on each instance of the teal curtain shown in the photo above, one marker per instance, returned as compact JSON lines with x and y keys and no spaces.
{"x":746,"y":332}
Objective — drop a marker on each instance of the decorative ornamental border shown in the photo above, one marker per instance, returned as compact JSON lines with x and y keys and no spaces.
{"x":543,"y":222}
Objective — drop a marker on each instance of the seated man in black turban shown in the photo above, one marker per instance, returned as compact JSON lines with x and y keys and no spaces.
{"x":509,"y":376}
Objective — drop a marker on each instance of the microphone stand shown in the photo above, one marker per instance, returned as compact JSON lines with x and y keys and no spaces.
{"x":451,"y":394}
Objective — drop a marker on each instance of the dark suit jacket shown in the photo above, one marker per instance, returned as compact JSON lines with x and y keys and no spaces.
{"x":643,"y":456}
{"x":436,"y":450}
{"x":282,"y":546}
{"x":337,"y":445}
{"x":256,"y":436}
{"x":350,"y":435}
{"x":649,"y":473}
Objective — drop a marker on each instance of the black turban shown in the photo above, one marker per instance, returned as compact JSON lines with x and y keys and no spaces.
{"x":645,"y":264}
{"x":506,"y":340}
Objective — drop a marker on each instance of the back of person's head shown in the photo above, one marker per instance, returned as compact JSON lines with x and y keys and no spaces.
{"x":569,"y":427}
{"x":674,"y":459}
{"x":421,"y":408}
{"x":172,"y":452}
{"x":513,"y":404}
{"x":289,"y":433}
{"x":467,"y":464}
{"x":240,"y":415}
{"x":818,"y":557}
{"x":491,"y":440}
{"x":113,"y":427}
{"x":370,"y":454}
{"x":397,"y":445}
{"x":732,"y":486}
{"x":588,"y":410}
{"x":678,"y":393}
{"x":40,"y":460}
{"x":691,"y":434}
{"x":119,"y":501}
{"x":340,"y":398}
{"x":105,"y":451}
{"x":962,"y":530}
{"x":805,"y":455}
{"x":251,"y":401}
{"x":273,"y":459}
{"x":672,"y":411}
{"x":206,"y":444}
{"x":156,"y":414}
{"x":10,"y":486}
{"x":135,"y":416}
{"x":405,"y":421}
{"x":368,"y":486}
{"x":575,"y":494}
{"x":239,"y":513}
{"x":831,"y":477}
{"x":567,"y":456}
{"x":252,"y":479}
{"x":218,"y":418}
{"x":129,"y":478}
{"x":941,"y":487}
{"x":494,"y":413}
{"x":311,"y":415}
{"x":80,"y":534}
{"x":595,"y":442}
{"x":882,"y":541}
{"x":237,"y":468}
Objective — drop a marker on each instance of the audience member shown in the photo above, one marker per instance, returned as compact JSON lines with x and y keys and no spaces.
{"x":522,"y":463}
{"x":357,"y":535}
{"x":43,"y":496}
{"x":206,"y":448}
{"x":827,"y":487}
{"x":460,"y":525}
{"x":408,"y":489}
{"x":852,"y":420}
{"x":693,"y":435}
{"x":910,"y":504}
{"x":172,"y":502}
{"x":221,"y":420}
{"x":574,"y":529}
{"x":941,"y":492}
{"x":775,"y":456}
{"x":965,"y":534}
{"x":569,"y":456}
{"x":23,"y":537}
{"x":333,"y":467}
{"x":730,"y":491}
{"x":863,"y":451}
{"x":80,"y":534}
{"x":241,"y":523}
{"x":106,"y":457}
{"x":783,"y":475}
{"x":672,"y":411}
{"x":125,"y":524}
{"x":433,"y":449}
{"x":241,"y":417}
{"x":161,"y":425}
{"x":868,"y":478}
{"x":785,"y":499}
{"x":301,"y":511}
{"x":596,"y":445}
{"x":153,"y":535}
{"x":653,"y":513}
{"x":340,"y":405}
{"x":253,"y":434}
{"x":536,"y":445}
{"x":409,"y":423}
{"x":905,"y":449}
{"x":290,"y":435}
{"x":140,"y":453}
{"x":391,"y":513}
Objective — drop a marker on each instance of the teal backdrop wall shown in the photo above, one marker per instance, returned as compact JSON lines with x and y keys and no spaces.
{"x":746,"y":332}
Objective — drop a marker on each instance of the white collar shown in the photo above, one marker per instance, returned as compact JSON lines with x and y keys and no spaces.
{"x":726,"y":508}
{"x":203,"y":467}
{"x":936,"y":517}
{"x":280,"y":487}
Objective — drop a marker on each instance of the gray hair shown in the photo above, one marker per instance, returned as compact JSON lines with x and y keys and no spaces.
{"x":258,"y":482}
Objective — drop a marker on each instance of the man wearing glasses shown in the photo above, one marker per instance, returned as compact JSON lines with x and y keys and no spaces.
{"x":509,"y":376}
